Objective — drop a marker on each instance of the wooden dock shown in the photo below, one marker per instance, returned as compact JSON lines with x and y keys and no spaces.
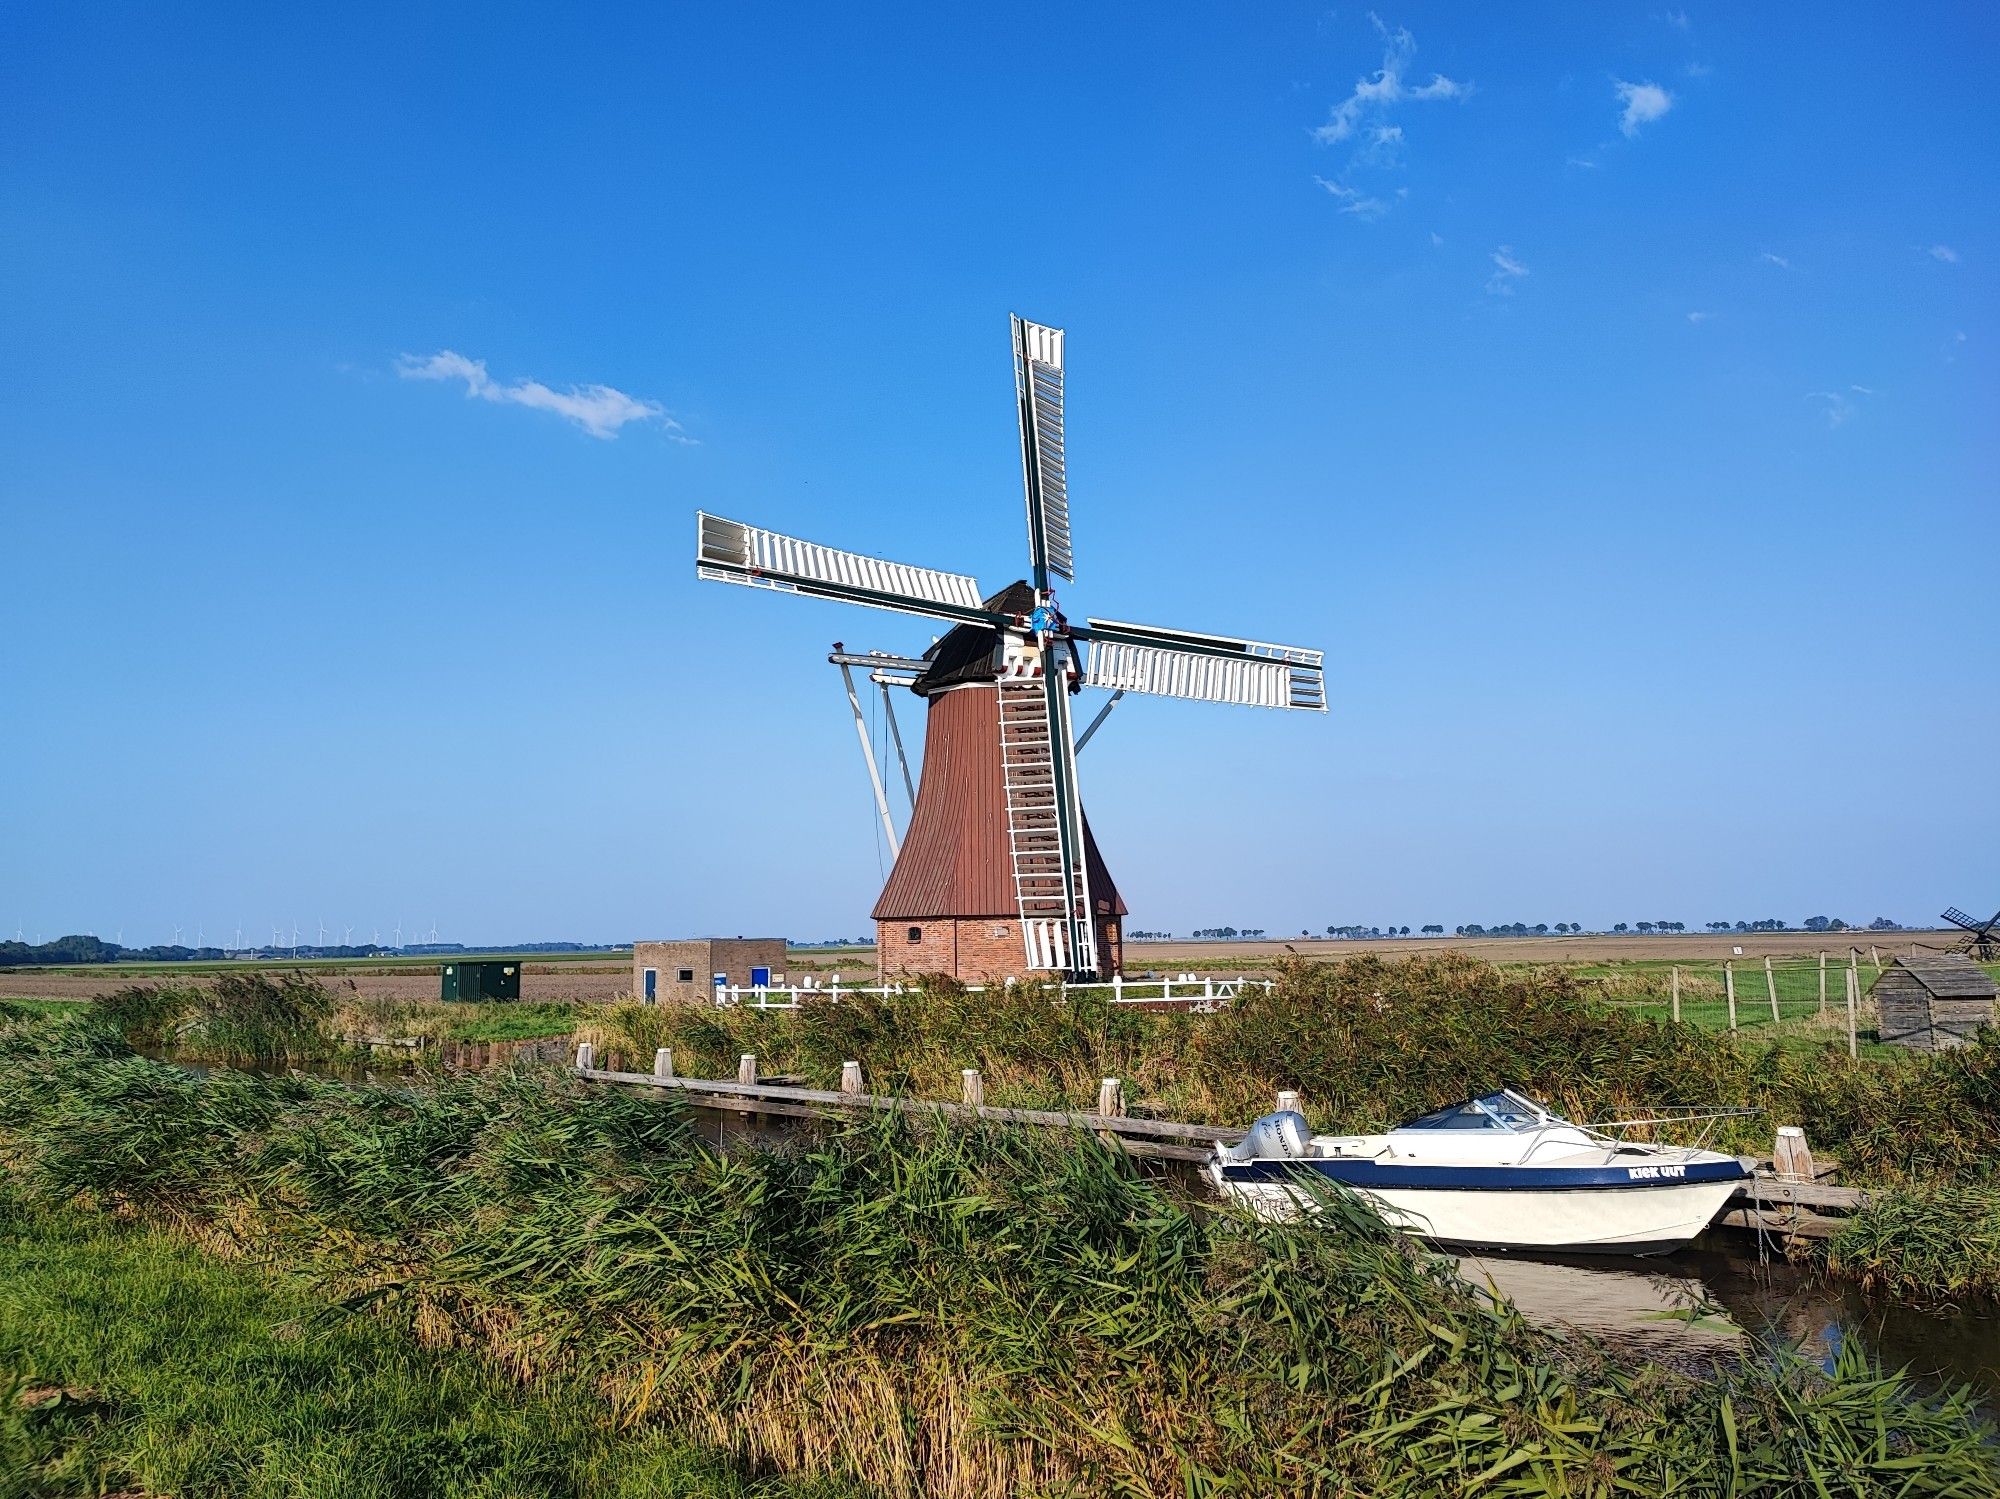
{"x":1768,"y":1203}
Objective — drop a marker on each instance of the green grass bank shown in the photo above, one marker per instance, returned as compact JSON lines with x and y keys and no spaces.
{"x":941,"y":1311}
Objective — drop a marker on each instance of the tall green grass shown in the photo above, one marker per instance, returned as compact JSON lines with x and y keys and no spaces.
{"x":1368,"y":1042}
{"x":947,"y":1311}
{"x":132,"y":1362}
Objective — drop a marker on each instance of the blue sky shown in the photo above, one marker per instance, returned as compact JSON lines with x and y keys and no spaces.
{"x":1609,"y":390}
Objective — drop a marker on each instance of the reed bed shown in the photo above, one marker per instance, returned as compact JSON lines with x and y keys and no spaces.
{"x":1367,"y":1042}
{"x":932,"y":1309}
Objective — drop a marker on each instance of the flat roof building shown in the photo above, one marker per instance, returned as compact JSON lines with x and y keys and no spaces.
{"x":689,"y":967}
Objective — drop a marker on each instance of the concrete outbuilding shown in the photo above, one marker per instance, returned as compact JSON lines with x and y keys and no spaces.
{"x":691,"y":967}
{"x":1934,"y":1001}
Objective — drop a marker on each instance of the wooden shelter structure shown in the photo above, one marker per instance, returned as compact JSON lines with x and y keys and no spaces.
{"x":1934,"y":1001}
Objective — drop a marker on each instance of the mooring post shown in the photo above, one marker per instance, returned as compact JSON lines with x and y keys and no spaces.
{"x":1791,"y":1157}
{"x":663,"y":1062}
{"x":1288,"y":1101}
{"x":1729,"y":989}
{"x":586,"y":1056}
{"x":1677,"y":993}
{"x":746,"y":1068}
{"x":1771,"y":989}
{"x":1822,"y":983}
{"x":850,"y":1078}
{"x":971,"y":1091}
{"x":1110,"y":1101}
{"x":1853,"y":997}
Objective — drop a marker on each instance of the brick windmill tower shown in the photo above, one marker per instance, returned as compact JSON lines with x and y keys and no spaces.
{"x":999,"y":874}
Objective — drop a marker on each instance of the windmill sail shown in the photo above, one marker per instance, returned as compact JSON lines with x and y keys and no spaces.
{"x":728,"y":551}
{"x":1038,"y":382}
{"x":1206,"y":668}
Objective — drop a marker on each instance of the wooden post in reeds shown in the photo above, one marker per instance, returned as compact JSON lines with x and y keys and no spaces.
{"x":746,"y":1068}
{"x":1822,"y":983}
{"x":1677,"y":993}
{"x":1853,"y":999}
{"x":663,"y":1062}
{"x":586,"y":1056}
{"x":972,"y":1090}
{"x":1110,"y":1099}
{"x":1771,"y":989}
{"x":850,"y":1079}
{"x":1875,"y":957}
{"x":1791,"y":1156}
{"x":1729,"y":989}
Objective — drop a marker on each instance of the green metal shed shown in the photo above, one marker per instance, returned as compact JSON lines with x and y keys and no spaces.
{"x":498,"y":979}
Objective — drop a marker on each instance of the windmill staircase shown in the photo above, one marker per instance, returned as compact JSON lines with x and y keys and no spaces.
{"x":1034,"y":834}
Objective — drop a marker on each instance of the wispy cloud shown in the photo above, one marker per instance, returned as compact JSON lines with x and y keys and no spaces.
{"x":1353,"y":200}
{"x":599,"y":409}
{"x":1644,"y":103}
{"x":1838,"y":405}
{"x":1362,"y":121}
{"x":1506,"y":271}
{"x":1375,"y":96}
{"x":1678,"y":19}
{"x":1945,"y":253}
{"x":1698,"y":318}
{"x":1777,"y":260}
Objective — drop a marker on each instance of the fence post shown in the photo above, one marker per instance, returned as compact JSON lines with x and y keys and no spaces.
{"x":663,"y":1062}
{"x":746,"y":1068}
{"x":1853,"y":995}
{"x":1791,"y":1156}
{"x":1109,"y":1102}
{"x":1729,"y":989}
{"x":1117,"y":987}
{"x":586,"y":1057}
{"x":850,"y":1077}
{"x":1677,"y":993}
{"x":1875,"y":956}
{"x":1822,"y":983}
{"x":1771,"y":990}
{"x":972,"y":1092}
{"x":1208,"y":988}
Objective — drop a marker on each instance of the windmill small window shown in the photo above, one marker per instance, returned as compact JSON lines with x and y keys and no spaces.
{"x":916,"y":934}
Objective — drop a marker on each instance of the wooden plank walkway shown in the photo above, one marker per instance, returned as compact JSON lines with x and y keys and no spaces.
{"x":1797,"y":1209}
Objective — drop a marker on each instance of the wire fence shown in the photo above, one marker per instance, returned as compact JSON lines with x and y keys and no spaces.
{"x":1821,"y":994}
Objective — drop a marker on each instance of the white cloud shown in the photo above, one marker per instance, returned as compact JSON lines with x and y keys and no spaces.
{"x":1644,"y":103}
{"x":1699,"y":317}
{"x":1945,"y":253}
{"x":1506,"y":271}
{"x":1839,"y":405}
{"x":1678,"y":19}
{"x":1374,"y":97}
{"x":1777,"y":260}
{"x":599,"y":409}
{"x":1354,"y":201}
{"x":1438,"y":239}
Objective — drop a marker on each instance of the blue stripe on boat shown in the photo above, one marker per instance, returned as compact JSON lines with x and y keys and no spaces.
{"x":1365,"y":1173}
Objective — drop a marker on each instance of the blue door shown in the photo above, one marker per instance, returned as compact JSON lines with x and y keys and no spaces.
{"x":760,"y":978}
{"x":652,"y":984}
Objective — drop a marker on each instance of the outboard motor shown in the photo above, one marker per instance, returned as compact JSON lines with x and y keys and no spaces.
{"x":1282,"y":1137}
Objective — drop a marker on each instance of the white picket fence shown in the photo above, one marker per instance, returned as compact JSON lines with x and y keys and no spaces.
{"x":1198,"y":993}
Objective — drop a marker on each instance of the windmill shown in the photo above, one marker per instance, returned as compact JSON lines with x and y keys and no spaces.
{"x":997,"y":837}
{"x":1982,"y":938}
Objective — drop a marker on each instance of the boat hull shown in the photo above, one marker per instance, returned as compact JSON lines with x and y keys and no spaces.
{"x":1656,"y":1218}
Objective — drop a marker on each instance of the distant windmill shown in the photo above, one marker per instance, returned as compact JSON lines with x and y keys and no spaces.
{"x":997,"y":839}
{"x":1982,"y":938}
{"x":399,"y":934}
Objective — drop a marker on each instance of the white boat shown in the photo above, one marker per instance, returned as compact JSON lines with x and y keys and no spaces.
{"x":1497,"y":1172}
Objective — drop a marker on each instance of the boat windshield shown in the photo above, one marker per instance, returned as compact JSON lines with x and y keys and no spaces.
{"x":1495,"y":1111}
